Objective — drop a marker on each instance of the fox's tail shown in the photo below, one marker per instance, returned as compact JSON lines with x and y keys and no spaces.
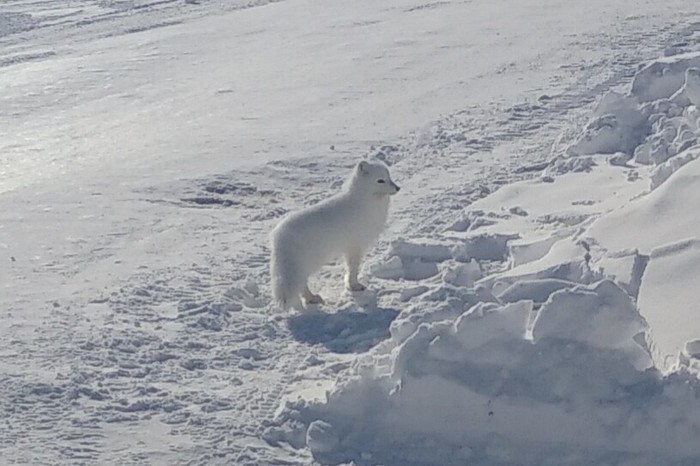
{"x":286,"y":276}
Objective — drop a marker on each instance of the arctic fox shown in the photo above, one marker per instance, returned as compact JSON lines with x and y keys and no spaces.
{"x":346,"y":224}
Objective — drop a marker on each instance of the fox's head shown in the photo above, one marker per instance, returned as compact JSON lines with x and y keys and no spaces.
{"x":373,"y":178}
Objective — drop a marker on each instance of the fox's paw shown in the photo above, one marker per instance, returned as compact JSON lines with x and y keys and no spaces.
{"x":356,"y":287}
{"x":314,"y":299}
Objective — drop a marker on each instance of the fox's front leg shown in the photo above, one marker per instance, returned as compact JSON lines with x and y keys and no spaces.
{"x":352,"y":260}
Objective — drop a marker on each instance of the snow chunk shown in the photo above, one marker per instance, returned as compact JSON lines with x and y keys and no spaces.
{"x":426,"y":252}
{"x":692,"y":349}
{"x":669,"y":297}
{"x":601,"y":315}
{"x":565,"y":260}
{"x":534,"y":290}
{"x":486,"y":322}
{"x":673,"y":130}
{"x":484,"y":247}
{"x":412,"y":260}
{"x":465,"y":274}
{"x":577,"y":164}
{"x":619,"y":126}
{"x":663,"y":77}
{"x":321,"y":437}
{"x":626,"y":268}
{"x":691,"y":88}
{"x":392,"y":269}
{"x":524,"y":251}
{"x":689,"y":94}
{"x":668,"y":168}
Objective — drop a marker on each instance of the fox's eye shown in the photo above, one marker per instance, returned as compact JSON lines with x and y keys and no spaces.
{"x":381,"y":181}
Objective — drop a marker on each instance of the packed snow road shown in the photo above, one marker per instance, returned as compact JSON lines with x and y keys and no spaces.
{"x":143,"y":164}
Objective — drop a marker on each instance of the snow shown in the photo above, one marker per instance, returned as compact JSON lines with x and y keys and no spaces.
{"x":662,"y":78}
{"x":537,"y":291}
{"x":618,"y":127}
{"x":658,"y":218}
{"x":474,"y":387}
{"x":668,"y":298}
{"x":532,"y":301}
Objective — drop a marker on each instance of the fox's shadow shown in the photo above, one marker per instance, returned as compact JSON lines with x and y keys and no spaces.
{"x":346,"y":331}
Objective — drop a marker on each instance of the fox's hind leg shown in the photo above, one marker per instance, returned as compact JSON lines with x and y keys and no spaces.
{"x":311,"y":298}
{"x":352,"y":260}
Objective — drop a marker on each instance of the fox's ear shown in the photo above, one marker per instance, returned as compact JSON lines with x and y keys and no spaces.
{"x":363,"y":167}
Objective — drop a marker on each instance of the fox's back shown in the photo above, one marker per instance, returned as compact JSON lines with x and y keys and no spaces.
{"x":334,"y":225}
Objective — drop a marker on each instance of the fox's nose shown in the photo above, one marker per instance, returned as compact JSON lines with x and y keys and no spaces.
{"x":397,"y":187}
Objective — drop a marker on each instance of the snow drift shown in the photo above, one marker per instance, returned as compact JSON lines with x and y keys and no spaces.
{"x":494,"y":385}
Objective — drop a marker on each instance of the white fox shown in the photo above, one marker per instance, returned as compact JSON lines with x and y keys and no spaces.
{"x":346,"y":224}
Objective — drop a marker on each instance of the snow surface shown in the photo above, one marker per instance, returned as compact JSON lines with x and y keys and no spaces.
{"x":532,"y":302}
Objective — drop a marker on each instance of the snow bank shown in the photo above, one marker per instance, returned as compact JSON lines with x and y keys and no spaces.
{"x":650,"y":244}
{"x":657,"y":120}
{"x":477,"y":389}
{"x":647,"y":245}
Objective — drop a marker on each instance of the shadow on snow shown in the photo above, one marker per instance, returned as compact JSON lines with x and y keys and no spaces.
{"x":346,"y":331}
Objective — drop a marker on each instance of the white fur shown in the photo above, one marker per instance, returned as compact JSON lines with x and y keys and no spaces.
{"x":346,"y":224}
